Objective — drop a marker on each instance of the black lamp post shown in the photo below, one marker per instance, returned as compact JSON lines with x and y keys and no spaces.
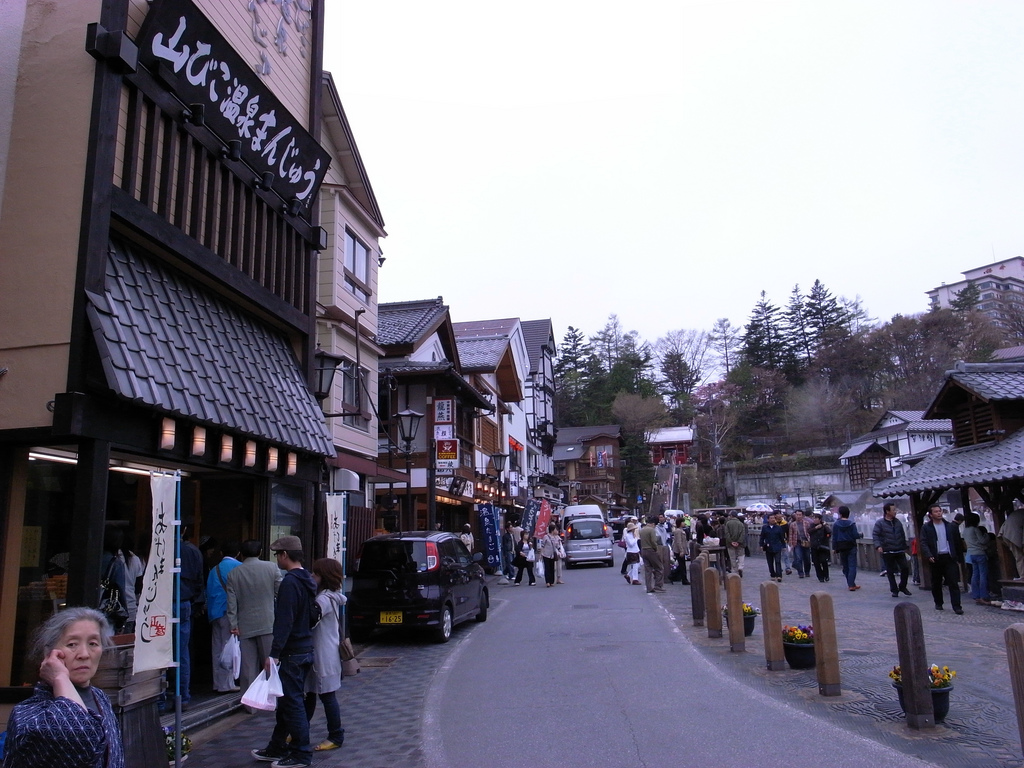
{"x":326,"y":366}
{"x":798,"y":489}
{"x":499,"y":460}
{"x":408,"y":425}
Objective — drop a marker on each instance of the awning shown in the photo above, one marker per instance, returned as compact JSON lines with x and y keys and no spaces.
{"x":168,"y":343}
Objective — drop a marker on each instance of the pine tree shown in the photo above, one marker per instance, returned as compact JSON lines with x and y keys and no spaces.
{"x":724,"y":340}
{"x":764,"y":345}
{"x":967,"y":299}
{"x":798,"y":333}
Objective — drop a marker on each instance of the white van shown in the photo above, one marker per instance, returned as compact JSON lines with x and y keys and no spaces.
{"x":582,"y":510}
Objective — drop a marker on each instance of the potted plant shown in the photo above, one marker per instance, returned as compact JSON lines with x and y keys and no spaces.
{"x":186,"y":745}
{"x":798,"y":646}
{"x":750,"y":614}
{"x":940,"y":681}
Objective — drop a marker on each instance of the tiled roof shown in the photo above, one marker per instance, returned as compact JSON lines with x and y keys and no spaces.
{"x":571,"y":435}
{"x":922,"y":425}
{"x":951,"y":467}
{"x":166,"y":342}
{"x":442,"y":369}
{"x":481,"y":354}
{"x":536,"y":333}
{"x":858,"y":448}
{"x":1009,"y":353}
{"x":991,"y":381}
{"x":405,"y":322}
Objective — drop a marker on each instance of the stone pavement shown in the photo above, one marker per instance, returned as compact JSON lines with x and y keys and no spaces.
{"x":981,"y":729}
{"x":382,"y":707}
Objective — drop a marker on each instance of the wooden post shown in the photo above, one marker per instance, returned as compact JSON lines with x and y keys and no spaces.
{"x":1014,"y":637}
{"x":917,"y":695}
{"x":734,"y":603}
{"x":696,"y":593}
{"x":771,"y":625}
{"x":826,"y":645}
{"x":712,"y":603}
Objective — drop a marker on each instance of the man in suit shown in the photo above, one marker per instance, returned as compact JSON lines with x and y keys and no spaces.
{"x":941,"y":546}
{"x":251,"y":588}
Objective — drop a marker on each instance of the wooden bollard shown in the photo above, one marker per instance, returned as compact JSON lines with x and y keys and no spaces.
{"x":826,"y":644}
{"x":734,"y":604}
{"x":771,"y":625}
{"x":917,"y":695}
{"x":712,"y":603}
{"x":696,"y":593}
{"x":1014,"y":637}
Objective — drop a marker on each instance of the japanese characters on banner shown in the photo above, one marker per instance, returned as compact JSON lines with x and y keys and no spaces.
{"x":153,"y":649}
{"x":543,"y":518}
{"x":529,"y":519}
{"x":337,"y":506}
{"x":489,"y":533}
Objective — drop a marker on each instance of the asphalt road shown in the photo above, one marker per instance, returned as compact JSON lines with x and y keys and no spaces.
{"x":594,"y":673}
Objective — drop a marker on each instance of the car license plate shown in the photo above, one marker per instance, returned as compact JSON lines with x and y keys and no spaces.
{"x":589,"y":546}
{"x":390,"y":617}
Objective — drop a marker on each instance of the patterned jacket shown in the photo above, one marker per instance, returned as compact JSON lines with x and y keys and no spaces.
{"x":46,"y":731}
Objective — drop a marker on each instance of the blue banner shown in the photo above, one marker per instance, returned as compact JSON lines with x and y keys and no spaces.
{"x":529,"y":521}
{"x":489,"y":533}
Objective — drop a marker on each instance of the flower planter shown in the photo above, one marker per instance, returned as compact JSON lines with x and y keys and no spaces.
{"x":940,"y":701}
{"x":748,"y":623}
{"x":799,"y":655}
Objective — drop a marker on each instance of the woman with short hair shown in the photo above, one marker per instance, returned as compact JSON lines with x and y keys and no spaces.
{"x":325,"y":677}
{"x":66,"y":722}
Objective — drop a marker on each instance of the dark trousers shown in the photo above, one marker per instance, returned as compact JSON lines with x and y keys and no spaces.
{"x":332,"y":710}
{"x":802,"y":560}
{"x":896,"y":561}
{"x":291,"y":709}
{"x":848,"y":559}
{"x":528,"y":567}
{"x":549,"y":570}
{"x":774,"y":563}
{"x":945,"y":569}
{"x":821,"y":558}
{"x":654,"y":569}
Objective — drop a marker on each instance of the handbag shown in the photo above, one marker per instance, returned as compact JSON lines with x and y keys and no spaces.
{"x":349,"y":662}
{"x":110,"y":604}
{"x":620,"y":543}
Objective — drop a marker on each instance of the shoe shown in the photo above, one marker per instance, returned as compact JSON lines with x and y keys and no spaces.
{"x":740,"y":572}
{"x":559,"y":582}
{"x":895,"y":594}
{"x":289,"y":762}
{"x":856,"y":586}
{"x":958,"y":611}
{"x":636,"y":583}
{"x":267,"y":755}
{"x":826,"y":578}
{"x":788,"y":571}
{"x":853,"y":589}
{"x":660,"y":589}
{"x":628,"y":580}
{"x":906,"y":592}
{"x":939,"y":608}
{"x":650,"y":591}
{"x":982,"y":602}
{"x":881,"y":574}
{"x":778,"y":579}
{"x":550,"y":585}
{"x":801,"y":575}
{"x":325,"y":745}
{"x":532,"y":584}
{"x":917,"y":582}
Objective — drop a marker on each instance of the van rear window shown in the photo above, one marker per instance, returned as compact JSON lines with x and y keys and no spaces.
{"x":398,"y":556}
{"x":586,"y":529}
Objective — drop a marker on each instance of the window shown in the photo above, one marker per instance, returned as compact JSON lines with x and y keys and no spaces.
{"x":357,"y":267}
{"x":354,"y":396}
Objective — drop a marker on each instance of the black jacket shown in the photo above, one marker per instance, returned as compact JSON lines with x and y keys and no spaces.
{"x":292,"y":631}
{"x":889,"y":535}
{"x":930,"y":539}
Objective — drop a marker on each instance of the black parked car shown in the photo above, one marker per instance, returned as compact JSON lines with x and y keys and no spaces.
{"x":416,"y":579}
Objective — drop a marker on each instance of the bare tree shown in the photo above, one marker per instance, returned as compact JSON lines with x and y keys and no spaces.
{"x":724,"y":341}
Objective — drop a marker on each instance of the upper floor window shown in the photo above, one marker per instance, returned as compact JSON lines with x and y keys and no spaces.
{"x":357,"y":266}
{"x":354,"y":396}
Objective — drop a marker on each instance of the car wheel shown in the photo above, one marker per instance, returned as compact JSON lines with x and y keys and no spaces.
{"x":443,"y":632}
{"x":610,"y":562}
{"x":484,"y":604}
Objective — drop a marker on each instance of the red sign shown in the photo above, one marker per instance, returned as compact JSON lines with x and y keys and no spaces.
{"x":447,"y":450}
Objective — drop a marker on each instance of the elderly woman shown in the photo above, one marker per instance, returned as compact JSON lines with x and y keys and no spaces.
{"x":66,"y":722}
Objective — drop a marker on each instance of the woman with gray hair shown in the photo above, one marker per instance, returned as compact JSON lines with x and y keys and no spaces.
{"x":66,"y":722}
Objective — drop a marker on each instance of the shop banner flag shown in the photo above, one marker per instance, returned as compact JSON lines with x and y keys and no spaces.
{"x":337,"y":505}
{"x":529,"y":520}
{"x":489,"y":532}
{"x":153,"y":649}
{"x":543,"y":518}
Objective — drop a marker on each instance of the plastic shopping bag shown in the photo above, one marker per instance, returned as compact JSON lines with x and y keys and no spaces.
{"x":231,"y":657}
{"x":264,"y":690}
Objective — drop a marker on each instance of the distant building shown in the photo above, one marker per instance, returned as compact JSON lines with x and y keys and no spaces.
{"x":588,"y":465}
{"x":1001,"y":286}
{"x":671,"y":445}
{"x":896,"y":436}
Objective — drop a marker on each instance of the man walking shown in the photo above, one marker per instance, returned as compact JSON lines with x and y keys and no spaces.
{"x":800,"y":541}
{"x":193,"y":596}
{"x":650,"y":553}
{"x":292,"y":652}
{"x":941,"y":545}
{"x":217,"y":613}
{"x":735,"y":543}
{"x":251,"y":589}
{"x":890,"y":539}
{"x":844,"y":542}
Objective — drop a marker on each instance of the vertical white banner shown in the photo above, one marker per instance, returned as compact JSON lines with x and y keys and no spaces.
{"x":336,"y":507}
{"x":153,"y":649}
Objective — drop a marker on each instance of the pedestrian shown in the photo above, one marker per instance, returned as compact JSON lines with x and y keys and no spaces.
{"x":786,"y":554}
{"x":507,"y":551}
{"x":844,"y":542}
{"x":325,"y":678}
{"x":1011,"y":533}
{"x":799,"y":540}
{"x":772,"y":542}
{"x":890,"y":540}
{"x":217,"y":613}
{"x":940,"y":546}
{"x":654,"y":572}
{"x":134,"y":570}
{"x":292,"y":652}
{"x":551,"y":550}
{"x":679,"y":547}
{"x":631,"y":562}
{"x":821,"y":550}
{"x":193,"y":602}
{"x":525,"y":558}
{"x":67,"y":721}
{"x":976,"y":541}
{"x":112,"y":571}
{"x":560,"y":560}
{"x":734,"y":539}
{"x":467,"y":537}
{"x":252,"y":588}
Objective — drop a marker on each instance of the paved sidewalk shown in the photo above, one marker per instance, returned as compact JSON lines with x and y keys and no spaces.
{"x":981,"y":729}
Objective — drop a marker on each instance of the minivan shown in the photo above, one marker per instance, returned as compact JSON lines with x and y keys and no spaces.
{"x":587,"y":540}
{"x":423,"y":579}
{"x":582,"y":510}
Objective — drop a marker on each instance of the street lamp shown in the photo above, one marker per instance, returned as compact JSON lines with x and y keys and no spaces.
{"x":499,"y":460}
{"x":798,"y":489}
{"x":408,"y":425}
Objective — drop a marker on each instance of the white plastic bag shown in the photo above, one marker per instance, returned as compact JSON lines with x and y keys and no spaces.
{"x":264,"y":690}
{"x":231,"y":656}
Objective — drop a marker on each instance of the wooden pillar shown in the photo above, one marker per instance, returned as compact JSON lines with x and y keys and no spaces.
{"x":1014,"y":638}
{"x":88,"y":516}
{"x":826,"y":644}
{"x":917,"y":695}
{"x":712,"y":602}
{"x":771,"y":625}
{"x":697,"y":593}
{"x":734,"y":604}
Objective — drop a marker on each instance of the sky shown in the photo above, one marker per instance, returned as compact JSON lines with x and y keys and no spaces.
{"x":668,"y":161}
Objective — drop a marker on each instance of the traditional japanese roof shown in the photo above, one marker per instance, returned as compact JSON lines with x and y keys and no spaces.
{"x":990,"y":382}
{"x":1008,"y":354}
{"x":537,"y":333}
{"x":442,"y":369}
{"x":683,"y":434}
{"x":166,"y":342}
{"x":858,"y":449}
{"x":571,"y":439}
{"x":406,"y":322}
{"x":912,"y":421}
{"x":485,"y":346}
{"x":951,"y":467}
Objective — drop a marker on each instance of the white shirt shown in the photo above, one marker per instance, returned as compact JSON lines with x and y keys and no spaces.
{"x":941,"y":543}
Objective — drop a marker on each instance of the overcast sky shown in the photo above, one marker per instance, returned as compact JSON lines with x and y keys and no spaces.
{"x":668,"y":161}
